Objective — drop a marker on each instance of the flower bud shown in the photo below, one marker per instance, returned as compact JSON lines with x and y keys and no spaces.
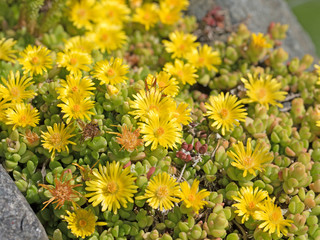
{"x":197,"y":146}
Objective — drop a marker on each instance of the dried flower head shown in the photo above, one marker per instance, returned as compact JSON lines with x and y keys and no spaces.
{"x":89,"y":130}
{"x":63,"y":190}
{"x":31,"y":137}
{"x":129,"y":139}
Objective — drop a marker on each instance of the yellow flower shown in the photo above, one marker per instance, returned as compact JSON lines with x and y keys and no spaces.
{"x":80,"y":43}
{"x":3,"y":106}
{"x":318,"y":123}
{"x":264,"y":90}
{"x":82,"y":222}
{"x":35,"y":60}
{"x":260,"y":41}
{"x":226,"y":112}
{"x":185,"y":73}
{"x":249,"y":201}
{"x":152,"y":100}
{"x":146,"y":15}
{"x":74,"y":60}
{"x":114,"y":12}
{"x":22,"y":115}
{"x":15,"y":88}
{"x":6,"y":51}
{"x":272,"y":218}
{"x":57,"y":138}
{"x":111,"y":72}
{"x":112,"y":186}
{"x":160,"y":130}
{"x":164,"y":83}
{"x":108,"y":37}
{"x":75,"y":86}
{"x":182,"y":114}
{"x":247,"y":160}
{"x":82,"y":13}
{"x":176,"y":4}
{"x":180,"y":44}
{"x":76,"y":108}
{"x":204,"y":57}
{"x":191,"y":197}
{"x":161,"y":192}
{"x":167,"y":15}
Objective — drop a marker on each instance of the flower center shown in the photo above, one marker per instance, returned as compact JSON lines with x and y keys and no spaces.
{"x":153,"y":107}
{"x":275,"y":216}
{"x":23,"y":118}
{"x":224,"y":113}
{"x":147,"y":16}
{"x":110,"y":14}
{"x":262,"y":93}
{"x":112,"y":187}
{"x":74,"y":89}
{"x":56,"y":139}
{"x":76,"y":108}
{"x":201,"y":60}
{"x":162,"y":84}
{"x":104,"y":37}
{"x":247,"y":161}
{"x":110,"y":72}
{"x":159,"y":132}
{"x":180,"y":73}
{"x":251,"y":205}
{"x":82,"y":13}
{"x":35,"y":60}
{"x":162,"y":192}
{"x":191,"y":198}
{"x":182,"y":47}
{"x":15,"y":92}
{"x":73,"y":61}
{"x":82,"y":223}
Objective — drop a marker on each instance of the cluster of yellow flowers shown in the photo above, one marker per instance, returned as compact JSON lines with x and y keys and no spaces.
{"x":257,"y":204}
{"x":160,"y":115}
{"x":114,"y":187}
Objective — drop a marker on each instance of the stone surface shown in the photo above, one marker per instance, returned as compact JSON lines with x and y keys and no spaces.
{"x":257,"y":15}
{"x":17,"y":220}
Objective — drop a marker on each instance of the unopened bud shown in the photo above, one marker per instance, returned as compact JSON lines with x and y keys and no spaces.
{"x":127,"y":165}
{"x":184,"y":145}
{"x":190,"y":147}
{"x":197,"y":146}
{"x":203,"y":149}
{"x":188,"y":158}
{"x":150,"y":172}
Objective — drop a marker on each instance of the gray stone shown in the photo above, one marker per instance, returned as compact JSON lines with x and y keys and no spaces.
{"x":257,"y":15}
{"x":17,"y":219}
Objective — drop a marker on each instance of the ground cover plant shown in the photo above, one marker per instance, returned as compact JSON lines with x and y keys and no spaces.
{"x":118,"y":123}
